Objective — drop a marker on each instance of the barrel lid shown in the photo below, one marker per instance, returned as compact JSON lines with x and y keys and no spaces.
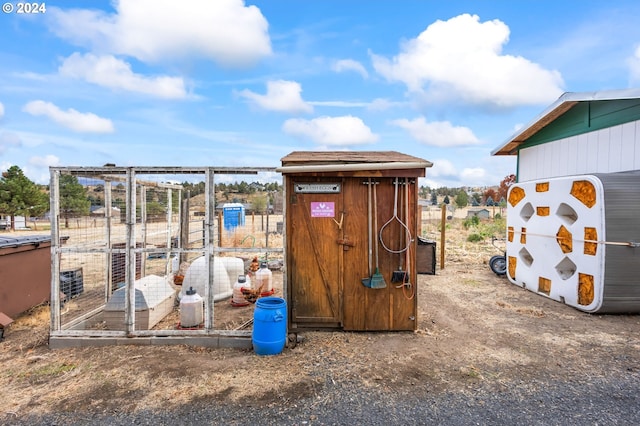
{"x":242,"y":279}
{"x":191,"y":291}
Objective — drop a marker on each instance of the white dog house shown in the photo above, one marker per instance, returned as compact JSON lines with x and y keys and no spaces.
{"x":154,"y":300}
{"x":572,"y":229}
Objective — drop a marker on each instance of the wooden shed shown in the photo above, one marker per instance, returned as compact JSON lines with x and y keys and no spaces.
{"x":345,"y":212}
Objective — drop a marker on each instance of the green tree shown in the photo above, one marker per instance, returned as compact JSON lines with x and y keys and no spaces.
{"x":273,"y":187}
{"x":19,"y":196}
{"x":462,"y":199}
{"x":425,"y":192}
{"x":73,"y":198}
{"x":259,"y":203}
{"x":155,"y":209}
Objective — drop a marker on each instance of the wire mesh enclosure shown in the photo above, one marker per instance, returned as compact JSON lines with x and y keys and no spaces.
{"x":156,"y":253}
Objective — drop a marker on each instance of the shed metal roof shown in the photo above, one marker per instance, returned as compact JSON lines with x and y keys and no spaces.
{"x":348,"y":157}
{"x":563,"y":104}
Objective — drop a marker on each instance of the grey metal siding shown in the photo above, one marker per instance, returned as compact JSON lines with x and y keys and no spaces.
{"x":622,"y":224}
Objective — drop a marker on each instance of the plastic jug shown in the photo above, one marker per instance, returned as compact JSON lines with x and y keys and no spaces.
{"x":191,"y":309}
{"x":238,"y":299}
{"x":264,"y":280}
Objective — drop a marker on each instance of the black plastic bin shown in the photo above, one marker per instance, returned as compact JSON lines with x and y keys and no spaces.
{"x":426,"y":256}
{"x":71,"y":282}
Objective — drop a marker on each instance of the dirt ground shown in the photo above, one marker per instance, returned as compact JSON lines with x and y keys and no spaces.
{"x":473,"y":328}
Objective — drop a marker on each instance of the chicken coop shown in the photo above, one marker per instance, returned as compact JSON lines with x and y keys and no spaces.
{"x":124,"y":240}
{"x":350,"y":240}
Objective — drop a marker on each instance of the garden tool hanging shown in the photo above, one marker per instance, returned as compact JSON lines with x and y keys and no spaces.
{"x":377,"y":280}
{"x":367,"y":281}
{"x":398,"y":275}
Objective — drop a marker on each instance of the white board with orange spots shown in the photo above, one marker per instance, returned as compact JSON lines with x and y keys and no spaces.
{"x":554,"y":232}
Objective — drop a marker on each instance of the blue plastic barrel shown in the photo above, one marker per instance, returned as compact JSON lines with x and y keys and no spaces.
{"x":269,"y":326}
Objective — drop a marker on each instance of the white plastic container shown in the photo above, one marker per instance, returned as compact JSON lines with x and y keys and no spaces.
{"x":197,"y":277}
{"x":238,"y":299}
{"x":264,"y":280}
{"x":191,"y":309}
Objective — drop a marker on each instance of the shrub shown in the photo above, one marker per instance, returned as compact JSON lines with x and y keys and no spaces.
{"x":472,"y":221}
{"x":474,"y":238}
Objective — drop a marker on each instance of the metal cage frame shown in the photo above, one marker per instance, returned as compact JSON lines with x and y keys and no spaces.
{"x":66,"y":336}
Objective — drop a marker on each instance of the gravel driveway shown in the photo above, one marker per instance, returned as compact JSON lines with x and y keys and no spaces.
{"x":610,"y":401}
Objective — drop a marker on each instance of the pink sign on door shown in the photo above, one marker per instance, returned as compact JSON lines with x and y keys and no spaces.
{"x":323,"y":209}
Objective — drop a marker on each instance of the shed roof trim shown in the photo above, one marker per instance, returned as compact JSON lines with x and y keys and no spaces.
{"x":563,"y":104}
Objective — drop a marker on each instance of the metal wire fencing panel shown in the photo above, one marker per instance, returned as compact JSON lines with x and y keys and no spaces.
{"x":146,"y":250}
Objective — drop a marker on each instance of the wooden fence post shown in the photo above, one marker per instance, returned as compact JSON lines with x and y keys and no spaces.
{"x":443,"y":225}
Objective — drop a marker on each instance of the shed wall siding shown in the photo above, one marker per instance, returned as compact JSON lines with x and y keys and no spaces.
{"x":608,"y":150}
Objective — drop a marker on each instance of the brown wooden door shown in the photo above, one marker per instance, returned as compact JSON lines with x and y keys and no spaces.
{"x":315,"y":246}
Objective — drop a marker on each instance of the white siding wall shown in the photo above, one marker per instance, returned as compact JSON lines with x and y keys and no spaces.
{"x":614,"y":149}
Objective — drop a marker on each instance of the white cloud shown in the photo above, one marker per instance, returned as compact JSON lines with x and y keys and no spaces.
{"x":445,"y":174}
{"x":46,"y":161}
{"x":350,"y":65}
{"x":281,"y":96}
{"x":227,"y":32}
{"x":114,"y":73}
{"x":72,"y":119}
{"x":9,"y":140}
{"x":461,"y":59}
{"x":340,"y":104}
{"x":437,"y":133}
{"x":476,"y":174}
{"x":443,"y":169}
{"x":634,"y":66}
{"x":380,"y":104}
{"x":5,"y":165}
{"x":1,"y":110}
{"x":334,"y":131}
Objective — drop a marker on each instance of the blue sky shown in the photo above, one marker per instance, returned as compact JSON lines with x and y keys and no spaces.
{"x":241,"y":84}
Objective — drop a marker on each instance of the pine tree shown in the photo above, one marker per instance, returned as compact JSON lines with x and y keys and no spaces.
{"x":73,"y":198}
{"x":19,"y":196}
